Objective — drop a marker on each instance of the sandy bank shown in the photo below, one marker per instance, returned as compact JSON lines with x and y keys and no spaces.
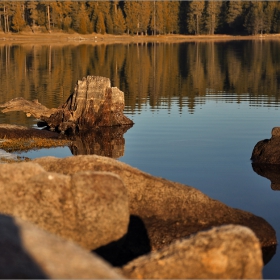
{"x":57,"y":37}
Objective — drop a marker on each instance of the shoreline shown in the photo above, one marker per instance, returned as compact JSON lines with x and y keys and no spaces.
{"x":60,"y":37}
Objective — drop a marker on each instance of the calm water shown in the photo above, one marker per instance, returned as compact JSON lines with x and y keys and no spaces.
{"x":198,"y":109}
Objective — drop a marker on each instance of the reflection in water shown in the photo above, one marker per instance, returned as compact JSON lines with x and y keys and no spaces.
{"x":269,"y":171}
{"x":164,"y":86}
{"x":104,"y":141}
{"x":146,"y":72}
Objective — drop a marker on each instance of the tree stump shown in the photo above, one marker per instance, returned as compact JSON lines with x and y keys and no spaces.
{"x":94,"y":103}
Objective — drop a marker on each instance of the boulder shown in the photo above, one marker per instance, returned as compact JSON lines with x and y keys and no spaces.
{"x":28,"y":252}
{"x":267,"y":151}
{"x":227,"y":252}
{"x":168,"y":210}
{"x":90,"y":208}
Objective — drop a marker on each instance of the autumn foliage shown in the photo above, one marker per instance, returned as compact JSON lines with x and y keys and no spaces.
{"x":142,"y":17}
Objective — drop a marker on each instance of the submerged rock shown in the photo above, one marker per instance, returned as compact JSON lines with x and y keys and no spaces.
{"x":227,"y":252}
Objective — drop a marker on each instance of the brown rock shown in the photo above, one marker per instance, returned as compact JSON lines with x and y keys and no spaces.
{"x":267,"y":151}
{"x":29,"y":252}
{"x":90,"y":208}
{"x":227,"y":252}
{"x":169,"y":210}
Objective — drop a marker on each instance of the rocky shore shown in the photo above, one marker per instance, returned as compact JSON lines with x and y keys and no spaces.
{"x":95,"y":217}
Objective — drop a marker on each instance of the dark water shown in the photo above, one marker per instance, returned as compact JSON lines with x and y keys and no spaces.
{"x":198,"y":109}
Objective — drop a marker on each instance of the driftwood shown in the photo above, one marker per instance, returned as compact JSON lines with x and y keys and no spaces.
{"x":94,"y":103}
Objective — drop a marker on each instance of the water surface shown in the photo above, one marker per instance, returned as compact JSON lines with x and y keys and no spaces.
{"x":198,"y":108}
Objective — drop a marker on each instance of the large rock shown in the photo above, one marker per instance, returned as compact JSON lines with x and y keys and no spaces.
{"x":268,"y":150}
{"x":169,"y":210}
{"x":228,"y":252}
{"x":27,"y":252}
{"x":90,"y":208}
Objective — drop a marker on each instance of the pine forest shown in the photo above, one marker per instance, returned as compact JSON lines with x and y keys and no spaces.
{"x":142,"y":17}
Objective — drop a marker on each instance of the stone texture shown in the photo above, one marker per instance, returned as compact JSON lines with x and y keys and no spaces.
{"x":29,"y":252}
{"x":169,"y":210}
{"x":90,"y":208}
{"x":227,"y":252}
{"x":267,"y":151}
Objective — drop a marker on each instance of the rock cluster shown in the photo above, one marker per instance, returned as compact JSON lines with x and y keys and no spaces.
{"x":53,"y":212}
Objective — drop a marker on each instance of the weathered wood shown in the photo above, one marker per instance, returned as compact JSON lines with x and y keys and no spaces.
{"x":94,"y":103}
{"x":33,"y":108}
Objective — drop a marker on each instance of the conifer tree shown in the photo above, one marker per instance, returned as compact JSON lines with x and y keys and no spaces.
{"x":269,"y":12}
{"x":276,"y":19}
{"x":234,"y":17}
{"x":194,"y":17}
{"x":172,"y":17}
{"x":254,"y":20}
{"x":32,"y":12}
{"x":109,"y":24}
{"x":157,"y":18}
{"x":17,"y":20}
{"x":67,"y":19}
{"x":144,"y":16}
{"x":132,"y":10}
{"x":212,"y":11}
{"x":100,"y":24}
{"x":118,"y":22}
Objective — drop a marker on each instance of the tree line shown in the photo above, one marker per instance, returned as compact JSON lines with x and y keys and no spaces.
{"x":142,"y":17}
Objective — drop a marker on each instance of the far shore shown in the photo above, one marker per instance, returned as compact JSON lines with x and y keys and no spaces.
{"x":75,"y":38}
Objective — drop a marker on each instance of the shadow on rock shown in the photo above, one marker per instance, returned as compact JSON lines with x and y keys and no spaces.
{"x":134,"y":244}
{"x":14,"y":260}
{"x":268,"y":253}
{"x":104,"y":141}
{"x":269,"y":171}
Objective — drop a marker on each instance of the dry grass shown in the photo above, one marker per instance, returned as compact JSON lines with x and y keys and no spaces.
{"x":19,"y":159}
{"x":21,"y":144}
{"x":75,"y":38}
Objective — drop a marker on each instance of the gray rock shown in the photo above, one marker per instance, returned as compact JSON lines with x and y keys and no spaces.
{"x":169,"y":210}
{"x":27,"y":251}
{"x":227,"y":252}
{"x":90,"y":208}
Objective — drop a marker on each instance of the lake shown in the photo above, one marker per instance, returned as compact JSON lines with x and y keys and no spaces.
{"x":199,"y":108}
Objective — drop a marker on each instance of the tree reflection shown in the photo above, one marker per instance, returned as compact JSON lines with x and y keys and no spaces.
{"x":147,"y":73}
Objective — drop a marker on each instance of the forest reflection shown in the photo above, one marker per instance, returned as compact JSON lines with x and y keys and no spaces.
{"x":156,"y":74}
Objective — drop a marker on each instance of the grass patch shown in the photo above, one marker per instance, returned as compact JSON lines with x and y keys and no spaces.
{"x":24,"y":145}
